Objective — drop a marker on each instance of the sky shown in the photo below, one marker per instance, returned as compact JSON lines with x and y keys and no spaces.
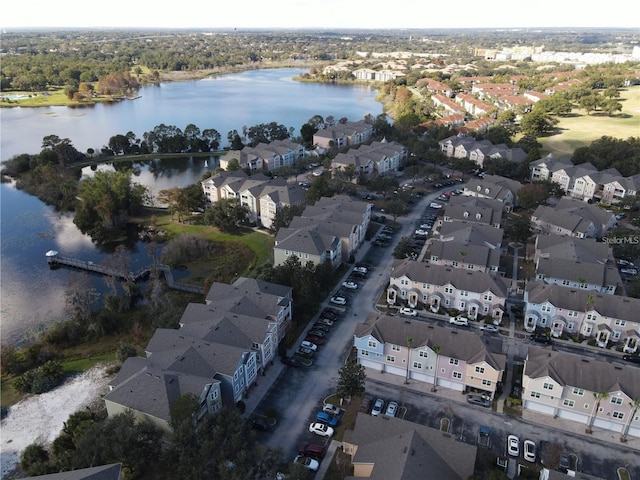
{"x":326,"y":14}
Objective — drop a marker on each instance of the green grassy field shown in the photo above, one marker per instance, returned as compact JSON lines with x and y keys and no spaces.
{"x":580,"y":129}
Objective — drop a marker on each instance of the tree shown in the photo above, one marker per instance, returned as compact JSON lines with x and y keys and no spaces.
{"x":396,"y":208}
{"x":598,"y":396}
{"x":532,"y":194}
{"x":520,"y":229}
{"x":34,"y":460}
{"x":536,"y":123}
{"x":284,"y":215}
{"x":351,"y":380}
{"x":225,"y":214}
{"x":635,"y":406}
{"x":436,"y":349}
{"x":409,"y":346}
{"x":403,"y":249}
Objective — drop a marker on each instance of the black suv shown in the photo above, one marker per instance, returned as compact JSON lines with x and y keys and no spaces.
{"x":631,"y":358}
{"x":541,"y":338}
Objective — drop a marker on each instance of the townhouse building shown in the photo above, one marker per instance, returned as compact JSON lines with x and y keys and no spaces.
{"x":343,"y":134}
{"x":342,"y":208}
{"x":494,"y":187}
{"x":594,"y":392}
{"x":308,"y":244}
{"x":447,"y":358}
{"x":447,"y":104}
{"x":576,"y":263}
{"x":367,"y":161}
{"x":474,"y":106}
{"x":265,"y":156}
{"x":435,"y":287}
{"x":573,"y":218}
{"x":262,"y":195}
{"x":378,"y":446}
{"x":435,"y":86}
{"x":483,"y":211}
{"x":568,"y":311}
{"x":469,"y":246}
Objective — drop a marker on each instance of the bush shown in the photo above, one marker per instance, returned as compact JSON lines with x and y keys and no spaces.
{"x":41,"y":379}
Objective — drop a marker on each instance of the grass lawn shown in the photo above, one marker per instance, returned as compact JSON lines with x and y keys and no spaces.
{"x":52,"y":98}
{"x":579,"y":129}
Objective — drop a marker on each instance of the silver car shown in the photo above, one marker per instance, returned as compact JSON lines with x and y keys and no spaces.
{"x":377,"y":407}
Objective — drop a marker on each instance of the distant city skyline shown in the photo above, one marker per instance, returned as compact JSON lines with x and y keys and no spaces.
{"x":325,"y":14}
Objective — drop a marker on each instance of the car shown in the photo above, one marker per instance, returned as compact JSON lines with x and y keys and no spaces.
{"x":358,"y":274}
{"x":332,"y":409}
{"x":350,"y":285}
{"x":317,"y":173}
{"x":459,"y":320}
{"x":513,"y":445}
{"x":327,"y":419}
{"x":408,"y":311}
{"x":629,"y":271}
{"x":541,"y":338}
{"x":326,"y":321}
{"x":259,"y":424}
{"x":309,"y":345}
{"x":435,"y":205}
{"x":529,"y":450}
{"x":307,"y":462}
{"x":564,"y":464}
{"x":313,"y":339}
{"x":321,"y":429}
{"x":321,"y":326}
{"x":426,"y":226}
{"x":378,"y":406}
{"x":489,"y":328}
{"x":421,"y":232}
{"x":312,"y":450}
{"x":479,"y":400}
{"x":305,"y":352}
{"x":392,"y":409}
{"x":631,"y":358}
{"x":317,"y":333}
{"x":626,"y":263}
{"x":338,"y":300}
{"x":291,"y":361}
{"x":361,"y":269}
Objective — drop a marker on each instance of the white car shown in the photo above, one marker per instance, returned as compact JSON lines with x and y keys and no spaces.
{"x":392,"y":409}
{"x":321,"y":429}
{"x":422,"y":232}
{"x":435,"y":205}
{"x":377,"y":407}
{"x":459,"y":320}
{"x":317,"y":173}
{"x":513,"y":445}
{"x":332,"y":409}
{"x":339,"y":300}
{"x":311,"y":346}
{"x":529,"y":451}
{"x":350,"y":285}
{"x":489,"y":328}
{"x":361,"y":269}
{"x":408,"y":311}
{"x":307,"y":462}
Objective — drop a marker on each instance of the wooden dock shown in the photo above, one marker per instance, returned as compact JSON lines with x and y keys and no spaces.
{"x":55,"y":260}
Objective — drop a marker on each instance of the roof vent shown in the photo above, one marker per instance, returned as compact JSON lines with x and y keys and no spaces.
{"x":585,"y":360}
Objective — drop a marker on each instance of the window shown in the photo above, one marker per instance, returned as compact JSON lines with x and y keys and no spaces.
{"x":464,"y":293}
{"x":486,"y":382}
{"x":479,"y":369}
{"x":391,"y":358}
{"x":565,"y":283}
{"x":548,"y":386}
{"x":620,"y":323}
{"x":488,"y":297}
{"x":373,"y":344}
{"x":618,"y":415}
{"x":616,"y":400}
{"x":546,"y":308}
{"x":395,"y":348}
{"x":453,"y":361}
{"x":568,"y":403}
{"x":535,"y":395}
{"x":457,"y":375}
{"x":423,"y":354}
{"x":572,"y":313}
{"x":578,"y":391}
{"x":448,"y":289}
{"x":364,"y":353}
{"x":417,"y":365}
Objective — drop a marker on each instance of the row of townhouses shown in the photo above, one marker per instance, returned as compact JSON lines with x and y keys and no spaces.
{"x":262,"y":195}
{"x":331,"y":230}
{"x":584,"y":181}
{"x":216,"y":355}
{"x":340,"y":135}
{"x":573,"y":218}
{"x":367,"y":161}
{"x":265,"y":156}
{"x":462,"y":146}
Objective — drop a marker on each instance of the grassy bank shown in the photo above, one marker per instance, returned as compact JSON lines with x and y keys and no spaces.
{"x":579,"y":129}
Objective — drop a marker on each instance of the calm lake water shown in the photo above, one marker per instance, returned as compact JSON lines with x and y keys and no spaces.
{"x":31,"y":295}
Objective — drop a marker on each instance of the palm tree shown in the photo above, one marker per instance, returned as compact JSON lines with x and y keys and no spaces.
{"x":635,"y":405}
{"x":463,"y":254}
{"x":436,"y":349}
{"x":599,"y":396}
{"x":409,"y":344}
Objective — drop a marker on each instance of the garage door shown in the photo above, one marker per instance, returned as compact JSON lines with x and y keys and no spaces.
{"x":370,"y":364}
{"x":395,"y":370}
{"x":574,"y":416}
{"x":607,"y":425}
{"x":422,"y":377}
{"x":537,"y":407}
{"x":449,"y":384}
{"x":634,"y":432}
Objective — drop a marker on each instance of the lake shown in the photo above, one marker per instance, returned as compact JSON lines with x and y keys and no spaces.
{"x":31,"y":294}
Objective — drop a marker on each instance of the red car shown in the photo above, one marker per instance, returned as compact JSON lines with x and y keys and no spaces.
{"x":314,"y":339}
{"x":312,"y":450}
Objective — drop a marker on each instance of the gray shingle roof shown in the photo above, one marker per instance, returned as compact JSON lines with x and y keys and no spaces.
{"x":403,"y":450}
{"x":104,"y":472}
{"x":587,"y":373}
{"x":308,"y":240}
